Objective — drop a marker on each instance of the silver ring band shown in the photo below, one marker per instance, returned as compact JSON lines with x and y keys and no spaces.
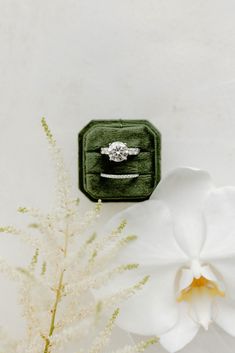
{"x":119,"y":176}
{"x":132,"y":151}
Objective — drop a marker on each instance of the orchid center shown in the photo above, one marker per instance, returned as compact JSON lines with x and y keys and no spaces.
{"x":199,"y":286}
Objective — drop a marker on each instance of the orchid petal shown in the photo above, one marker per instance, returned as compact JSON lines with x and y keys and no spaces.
{"x":182,"y":333}
{"x":207,"y":273}
{"x":186,"y":278}
{"x":184,"y":191}
{"x":224,"y":315}
{"x":219,"y":211}
{"x":219,"y":247}
{"x":151,"y":310}
{"x":201,"y":307}
{"x":155,"y":245}
{"x":225,"y":268}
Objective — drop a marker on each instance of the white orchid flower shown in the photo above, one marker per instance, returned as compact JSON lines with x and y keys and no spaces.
{"x":186,"y":243}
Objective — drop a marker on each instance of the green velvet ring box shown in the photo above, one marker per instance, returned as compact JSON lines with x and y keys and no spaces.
{"x":136,"y":134}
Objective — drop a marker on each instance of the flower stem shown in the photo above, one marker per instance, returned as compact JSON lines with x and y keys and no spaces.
{"x":47,"y":347}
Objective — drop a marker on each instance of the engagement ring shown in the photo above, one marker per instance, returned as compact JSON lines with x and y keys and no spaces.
{"x":118,"y":151}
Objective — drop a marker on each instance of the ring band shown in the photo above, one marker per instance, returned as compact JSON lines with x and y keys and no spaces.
{"x":118,"y":151}
{"x":119,"y":176}
{"x":132,"y":151}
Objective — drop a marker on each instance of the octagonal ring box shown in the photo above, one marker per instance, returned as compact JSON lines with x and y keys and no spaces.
{"x":136,"y":134}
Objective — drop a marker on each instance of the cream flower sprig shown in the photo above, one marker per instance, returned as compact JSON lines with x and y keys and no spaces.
{"x":186,"y":243}
{"x":68,"y":261}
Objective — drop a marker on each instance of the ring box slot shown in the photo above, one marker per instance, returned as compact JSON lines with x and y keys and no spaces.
{"x":135,"y":133}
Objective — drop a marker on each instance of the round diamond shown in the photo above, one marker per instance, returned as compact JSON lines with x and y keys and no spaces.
{"x":118,"y":151}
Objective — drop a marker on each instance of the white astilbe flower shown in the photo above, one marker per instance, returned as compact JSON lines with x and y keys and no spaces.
{"x":140,"y":347}
{"x":67,"y":263}
{"x":7,"y":344}
{"x":186,"y":243}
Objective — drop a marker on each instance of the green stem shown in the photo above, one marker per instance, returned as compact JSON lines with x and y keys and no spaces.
{"x":57,"y":298}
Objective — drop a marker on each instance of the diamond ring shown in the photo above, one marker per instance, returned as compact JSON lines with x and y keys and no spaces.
{"x":118,"y":151}
{"x":119,"y":176}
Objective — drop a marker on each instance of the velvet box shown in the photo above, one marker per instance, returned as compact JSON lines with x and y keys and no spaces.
{"x":135,"y":133}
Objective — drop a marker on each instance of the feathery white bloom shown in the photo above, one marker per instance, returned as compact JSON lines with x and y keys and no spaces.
{"x":186,"y":243}
{"x":55,"y":288}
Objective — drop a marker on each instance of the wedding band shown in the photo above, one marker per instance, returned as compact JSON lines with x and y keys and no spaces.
{"x":118,"y":151}
{"x":119,"y":176}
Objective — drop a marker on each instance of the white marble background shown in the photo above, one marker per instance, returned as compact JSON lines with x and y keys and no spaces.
{"x":172,"y":62}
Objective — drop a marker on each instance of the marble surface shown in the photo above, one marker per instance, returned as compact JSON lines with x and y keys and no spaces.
{"x":169,"y":61}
